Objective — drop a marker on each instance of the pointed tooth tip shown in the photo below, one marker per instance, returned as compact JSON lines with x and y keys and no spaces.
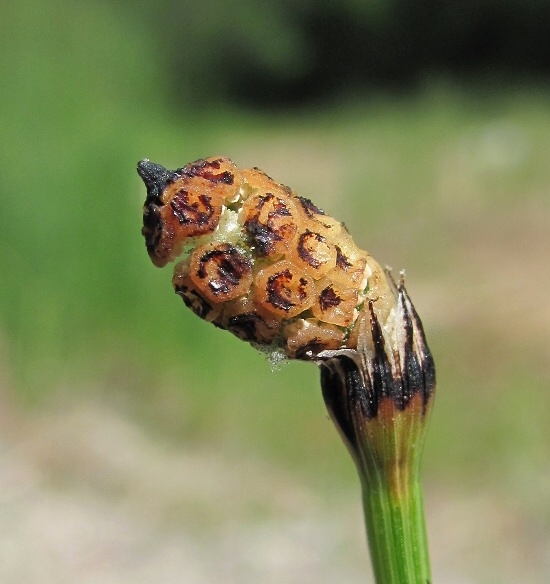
{"x":153,"y":175}
{"x":146,"y":167}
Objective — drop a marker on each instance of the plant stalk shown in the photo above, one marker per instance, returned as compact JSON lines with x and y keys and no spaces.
{"x":396,"y":531}
{"x":380,"y":398}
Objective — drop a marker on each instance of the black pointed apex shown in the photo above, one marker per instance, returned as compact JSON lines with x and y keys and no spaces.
{"x":155,"y":176}
{"x":419,"y":361}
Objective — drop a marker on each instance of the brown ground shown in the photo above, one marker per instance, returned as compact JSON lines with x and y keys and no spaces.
{"x":87,"y":496}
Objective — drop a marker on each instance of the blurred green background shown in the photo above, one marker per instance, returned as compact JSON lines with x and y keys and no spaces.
{"x":139,"y":443}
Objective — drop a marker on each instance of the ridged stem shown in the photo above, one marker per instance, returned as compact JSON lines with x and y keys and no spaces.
{"x":388,"y":463}
{"x":396,"y":531}
{"x":387,"y":452}
{"x":380,"y":398}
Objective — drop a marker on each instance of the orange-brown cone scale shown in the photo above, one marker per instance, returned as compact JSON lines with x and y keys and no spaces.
{"x":262,"y":262}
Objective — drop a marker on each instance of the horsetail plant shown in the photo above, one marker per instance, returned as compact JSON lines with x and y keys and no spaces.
{"x":275,"y":270}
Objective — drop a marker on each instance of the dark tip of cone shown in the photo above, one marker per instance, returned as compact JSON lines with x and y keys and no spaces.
{"x":155,"y":176}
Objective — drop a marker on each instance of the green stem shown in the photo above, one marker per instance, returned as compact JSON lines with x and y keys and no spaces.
{"x":394,"y":518}
{"x":387,"y":451}
{"x":380,"y":398}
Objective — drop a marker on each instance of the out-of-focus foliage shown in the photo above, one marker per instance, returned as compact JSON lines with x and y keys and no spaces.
{"x":278,"y":53}
{"x":72,"y":88}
